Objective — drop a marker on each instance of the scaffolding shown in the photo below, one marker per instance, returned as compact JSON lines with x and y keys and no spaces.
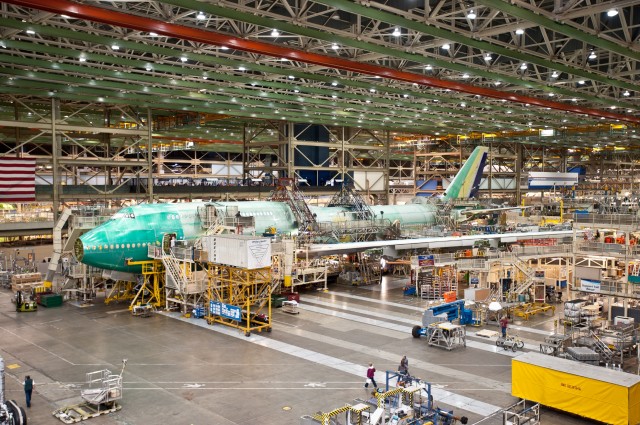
{"x":240,"y":298}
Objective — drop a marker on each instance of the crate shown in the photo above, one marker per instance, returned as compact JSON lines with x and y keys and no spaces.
{"x":51,"y":300}
{"x":26,"y":278}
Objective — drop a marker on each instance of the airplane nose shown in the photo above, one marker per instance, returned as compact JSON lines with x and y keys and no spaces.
{"x":78,"y":250}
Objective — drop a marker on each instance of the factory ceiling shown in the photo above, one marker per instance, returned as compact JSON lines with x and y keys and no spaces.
{"x":412,"y":66}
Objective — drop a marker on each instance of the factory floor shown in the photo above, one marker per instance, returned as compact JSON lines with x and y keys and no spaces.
{"x":183,"y":371}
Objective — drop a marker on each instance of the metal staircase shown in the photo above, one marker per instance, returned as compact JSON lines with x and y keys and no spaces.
{"x":606,"y":355}
{"x":348,"y":198}
{"x":172,"y":267}
{"x":288,"y":192}
{"x":528,"y":273}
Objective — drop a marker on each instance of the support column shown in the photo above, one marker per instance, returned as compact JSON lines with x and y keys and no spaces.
{"x":149,"y":157}
{"x":56,"y":143}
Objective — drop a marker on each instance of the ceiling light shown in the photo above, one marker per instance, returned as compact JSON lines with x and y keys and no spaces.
{"x":367,"y":101}
{"x":30,"y":32}
{"x":334,"y":96}
{"x":372,"y":90}
{"x":446,"y":46}
{"x":275,"y":33}
{"x":153,"y":34}
{"x":581,"y":81}
{"x":335,"y":46}
{"x":428,"y":67}
{"x":593,"y":55}
{"x":83,"y":59}
{"x":224,"y":48}
{"x":296,"y":91}
{"x":574,"y":100}
{"x":291,"y":77}
{"x":65,"y":16}
{"x":201,"y":16}
{"x":396,"y":32}
{"x":465,"y":76}
{"x":184,"y":59}
{"x":463,"y":104}
{"x":242,"y":68}
{"x":626,"y":93}
{"x":487,"y":57}
{"x":471,"y":14}
{"x":334,"y":83}
{"x":612,"y":12}
{"x":519,"y":31}
{"x":523,"y":66}
{"x":115,"y":47}
{"x":551,"y":94}
{"x":554,"y":74}
{"x":497,"y":83}
{"x":405,"y":95}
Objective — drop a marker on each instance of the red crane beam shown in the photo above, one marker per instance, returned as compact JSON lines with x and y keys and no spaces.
{"x":141,"y":23}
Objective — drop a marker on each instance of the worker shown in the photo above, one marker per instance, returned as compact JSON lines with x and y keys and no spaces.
{"x":404,"y":366}
{"x":504,"y":322}
{"x":371,"y":372}
{"x":28,"y":389}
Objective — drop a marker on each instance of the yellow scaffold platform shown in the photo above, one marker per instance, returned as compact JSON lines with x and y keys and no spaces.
{"x":530,"y":309}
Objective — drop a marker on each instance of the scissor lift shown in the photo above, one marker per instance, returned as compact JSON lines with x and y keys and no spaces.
{"x":101,"y":396}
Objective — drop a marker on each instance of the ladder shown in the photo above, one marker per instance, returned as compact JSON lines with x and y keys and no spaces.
{"x":288,"y":192}
{"x":366,"y":270}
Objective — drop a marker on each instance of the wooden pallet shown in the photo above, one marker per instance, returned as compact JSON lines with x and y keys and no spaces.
{"x":15,"y":287}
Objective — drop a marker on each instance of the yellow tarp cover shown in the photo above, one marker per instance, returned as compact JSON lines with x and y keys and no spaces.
{"x":588,"y":397}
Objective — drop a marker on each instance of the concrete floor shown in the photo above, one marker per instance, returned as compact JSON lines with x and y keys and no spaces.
{"x":182,"y":371}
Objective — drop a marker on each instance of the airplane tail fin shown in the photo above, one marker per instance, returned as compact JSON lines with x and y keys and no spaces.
{"x":466,"y":183}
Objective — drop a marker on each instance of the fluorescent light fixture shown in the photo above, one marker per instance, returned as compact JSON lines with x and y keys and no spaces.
{"x":519,"y":31}
{"x":201,"y":16}
{"x":446,"y":46}
{"x":30,"y":32}
{"x":396,"y":32}
{"x":275,"y":33}
{"x":612,"y":12}
{"x":471,"y":14}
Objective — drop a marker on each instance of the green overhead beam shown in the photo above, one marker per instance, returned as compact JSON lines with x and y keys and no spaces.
{"x":373,"y":13}
{"x":562,"y":28}
{"x":394,"y":19}
{"x":178,"y":70}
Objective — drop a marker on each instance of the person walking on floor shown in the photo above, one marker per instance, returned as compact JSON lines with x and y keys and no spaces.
{"x":504,"y":322}
{"x":371,"y":372}
{"x":404,"y":366}
{"x":28,"y":389}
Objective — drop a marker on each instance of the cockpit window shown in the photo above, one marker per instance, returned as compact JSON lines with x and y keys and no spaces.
{"x":123,"y":214}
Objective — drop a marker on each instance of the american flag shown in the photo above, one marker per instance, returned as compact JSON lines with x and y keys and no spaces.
{"x":17,"y":179}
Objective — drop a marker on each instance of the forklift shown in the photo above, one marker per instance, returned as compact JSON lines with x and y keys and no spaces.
{"x":23,"y":305}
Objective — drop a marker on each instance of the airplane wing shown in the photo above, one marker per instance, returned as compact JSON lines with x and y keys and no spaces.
{"x":436,"y":242}
{"x":474,"y":212}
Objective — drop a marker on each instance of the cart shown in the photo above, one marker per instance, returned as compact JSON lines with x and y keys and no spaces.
{"x":290,"y":307}
{"x":510,"y":342}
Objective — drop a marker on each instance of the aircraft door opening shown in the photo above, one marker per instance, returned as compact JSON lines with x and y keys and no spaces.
{"x":168,"y":242}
